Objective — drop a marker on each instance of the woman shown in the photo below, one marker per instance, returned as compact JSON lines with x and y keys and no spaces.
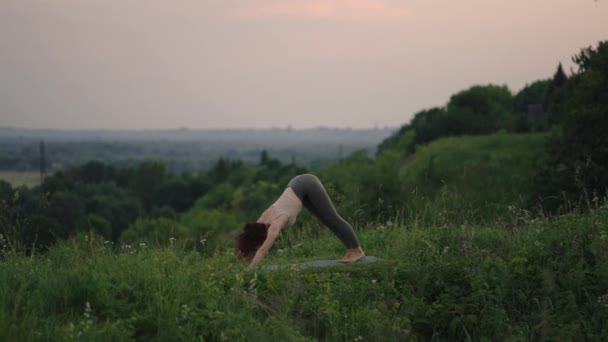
{"x":303,"y":190}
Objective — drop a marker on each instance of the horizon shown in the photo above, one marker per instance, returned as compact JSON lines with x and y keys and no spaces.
{"x":186,"y":129}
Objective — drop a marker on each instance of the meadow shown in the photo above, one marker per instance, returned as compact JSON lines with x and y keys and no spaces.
{"x":525,"y":279}
{"x":16,"y":178}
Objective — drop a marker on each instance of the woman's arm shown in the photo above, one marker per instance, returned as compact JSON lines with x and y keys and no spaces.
{"x":273,"y":232}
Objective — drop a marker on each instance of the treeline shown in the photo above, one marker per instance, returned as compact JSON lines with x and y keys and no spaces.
{"x":487,"y":109}
{"x":100,"y":198}
{"x":574,"y":109}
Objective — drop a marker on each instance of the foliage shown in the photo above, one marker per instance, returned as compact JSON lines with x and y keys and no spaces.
{"x":525,"y":279}
{"x":477,"y":110}
{"x":459,"y":179}
{"x":530,"y":105}
{"x":577,"y":167}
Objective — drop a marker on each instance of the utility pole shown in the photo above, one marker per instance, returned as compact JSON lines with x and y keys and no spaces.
{"x":42,"y":162}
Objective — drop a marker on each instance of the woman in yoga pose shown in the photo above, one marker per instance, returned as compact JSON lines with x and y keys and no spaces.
{"x":303,"y":190}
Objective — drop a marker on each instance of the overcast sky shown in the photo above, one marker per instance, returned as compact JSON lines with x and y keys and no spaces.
{"x":144,"y":64}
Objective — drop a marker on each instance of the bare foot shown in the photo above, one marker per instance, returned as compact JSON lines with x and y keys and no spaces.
{"x":353,"y":254}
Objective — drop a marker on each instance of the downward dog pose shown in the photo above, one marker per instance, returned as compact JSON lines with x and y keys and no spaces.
{"x":303,"y":190}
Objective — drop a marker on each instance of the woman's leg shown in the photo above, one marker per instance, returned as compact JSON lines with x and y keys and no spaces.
{"x":314,"y":198}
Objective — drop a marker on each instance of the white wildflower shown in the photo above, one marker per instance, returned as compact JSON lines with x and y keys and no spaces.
{"x":87,"y":310}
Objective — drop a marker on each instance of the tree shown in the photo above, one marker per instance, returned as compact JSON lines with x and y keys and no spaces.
{"x":148,"y":177}
{"x":480,"y":110}
{"x":66,"y":208}
{"x":577,"y":167}
{"x":6,"y":191}
{"x":557,"y":95}
{"x":529,"y":106}
{"x":94,"y":172}
{"x":559,"y":78}
{"x":477,"y":110}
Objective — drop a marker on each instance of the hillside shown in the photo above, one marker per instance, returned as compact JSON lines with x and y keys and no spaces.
{"x":452,"y":180}
{"x":462,"y":259}
{"x":525,"y":280}
{"x":474,"y":177}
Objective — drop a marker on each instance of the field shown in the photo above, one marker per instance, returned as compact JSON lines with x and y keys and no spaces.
{"x":525,"y":279}
{"x":17,"y":179}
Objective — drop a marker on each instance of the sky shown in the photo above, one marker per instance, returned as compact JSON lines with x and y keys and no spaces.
{"x":211,"y":64}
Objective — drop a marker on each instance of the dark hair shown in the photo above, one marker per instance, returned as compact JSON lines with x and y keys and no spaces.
{"x":248,"y":242}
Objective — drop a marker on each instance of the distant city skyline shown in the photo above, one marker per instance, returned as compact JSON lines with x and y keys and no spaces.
{"x":239,"y":64}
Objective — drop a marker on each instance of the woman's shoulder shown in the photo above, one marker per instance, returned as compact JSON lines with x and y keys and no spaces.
{"x":266,"y":215}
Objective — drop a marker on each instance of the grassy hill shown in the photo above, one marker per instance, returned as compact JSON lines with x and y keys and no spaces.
{"x":462,"y":259}
{"x":451,"y":180}
{"x":526,"y":280}
{"x":474,"y":177}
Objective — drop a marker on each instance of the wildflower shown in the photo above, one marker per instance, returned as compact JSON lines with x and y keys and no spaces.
{"x":126,"y":246}
{"x":142,"y":245}
{"x":603,"y":300}
{"x":203,"y":241}
{"x":185,"y":311}
{"x":87,"y":310}
{"x":446,"y":249}
{"x":253,"y":288}
{"x":374,"y":281}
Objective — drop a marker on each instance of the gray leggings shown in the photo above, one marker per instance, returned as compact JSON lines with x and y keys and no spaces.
{"x":311,"y":192}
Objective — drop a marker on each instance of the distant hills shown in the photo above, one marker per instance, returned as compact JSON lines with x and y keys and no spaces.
{"x":372,"y":135}
{"x":182,"y":150}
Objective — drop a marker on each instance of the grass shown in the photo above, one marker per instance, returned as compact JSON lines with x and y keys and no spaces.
{"x":457,"y":180}
{"x":473,"y":178}
{"x":528,"y":279}
{"x":16,"y":179}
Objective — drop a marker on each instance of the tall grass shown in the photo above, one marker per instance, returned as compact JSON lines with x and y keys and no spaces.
{"x":471,"y":179}
{"x":528,"y":279}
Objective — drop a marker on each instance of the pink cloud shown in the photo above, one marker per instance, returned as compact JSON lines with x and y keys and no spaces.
{"x":324,"y":9}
